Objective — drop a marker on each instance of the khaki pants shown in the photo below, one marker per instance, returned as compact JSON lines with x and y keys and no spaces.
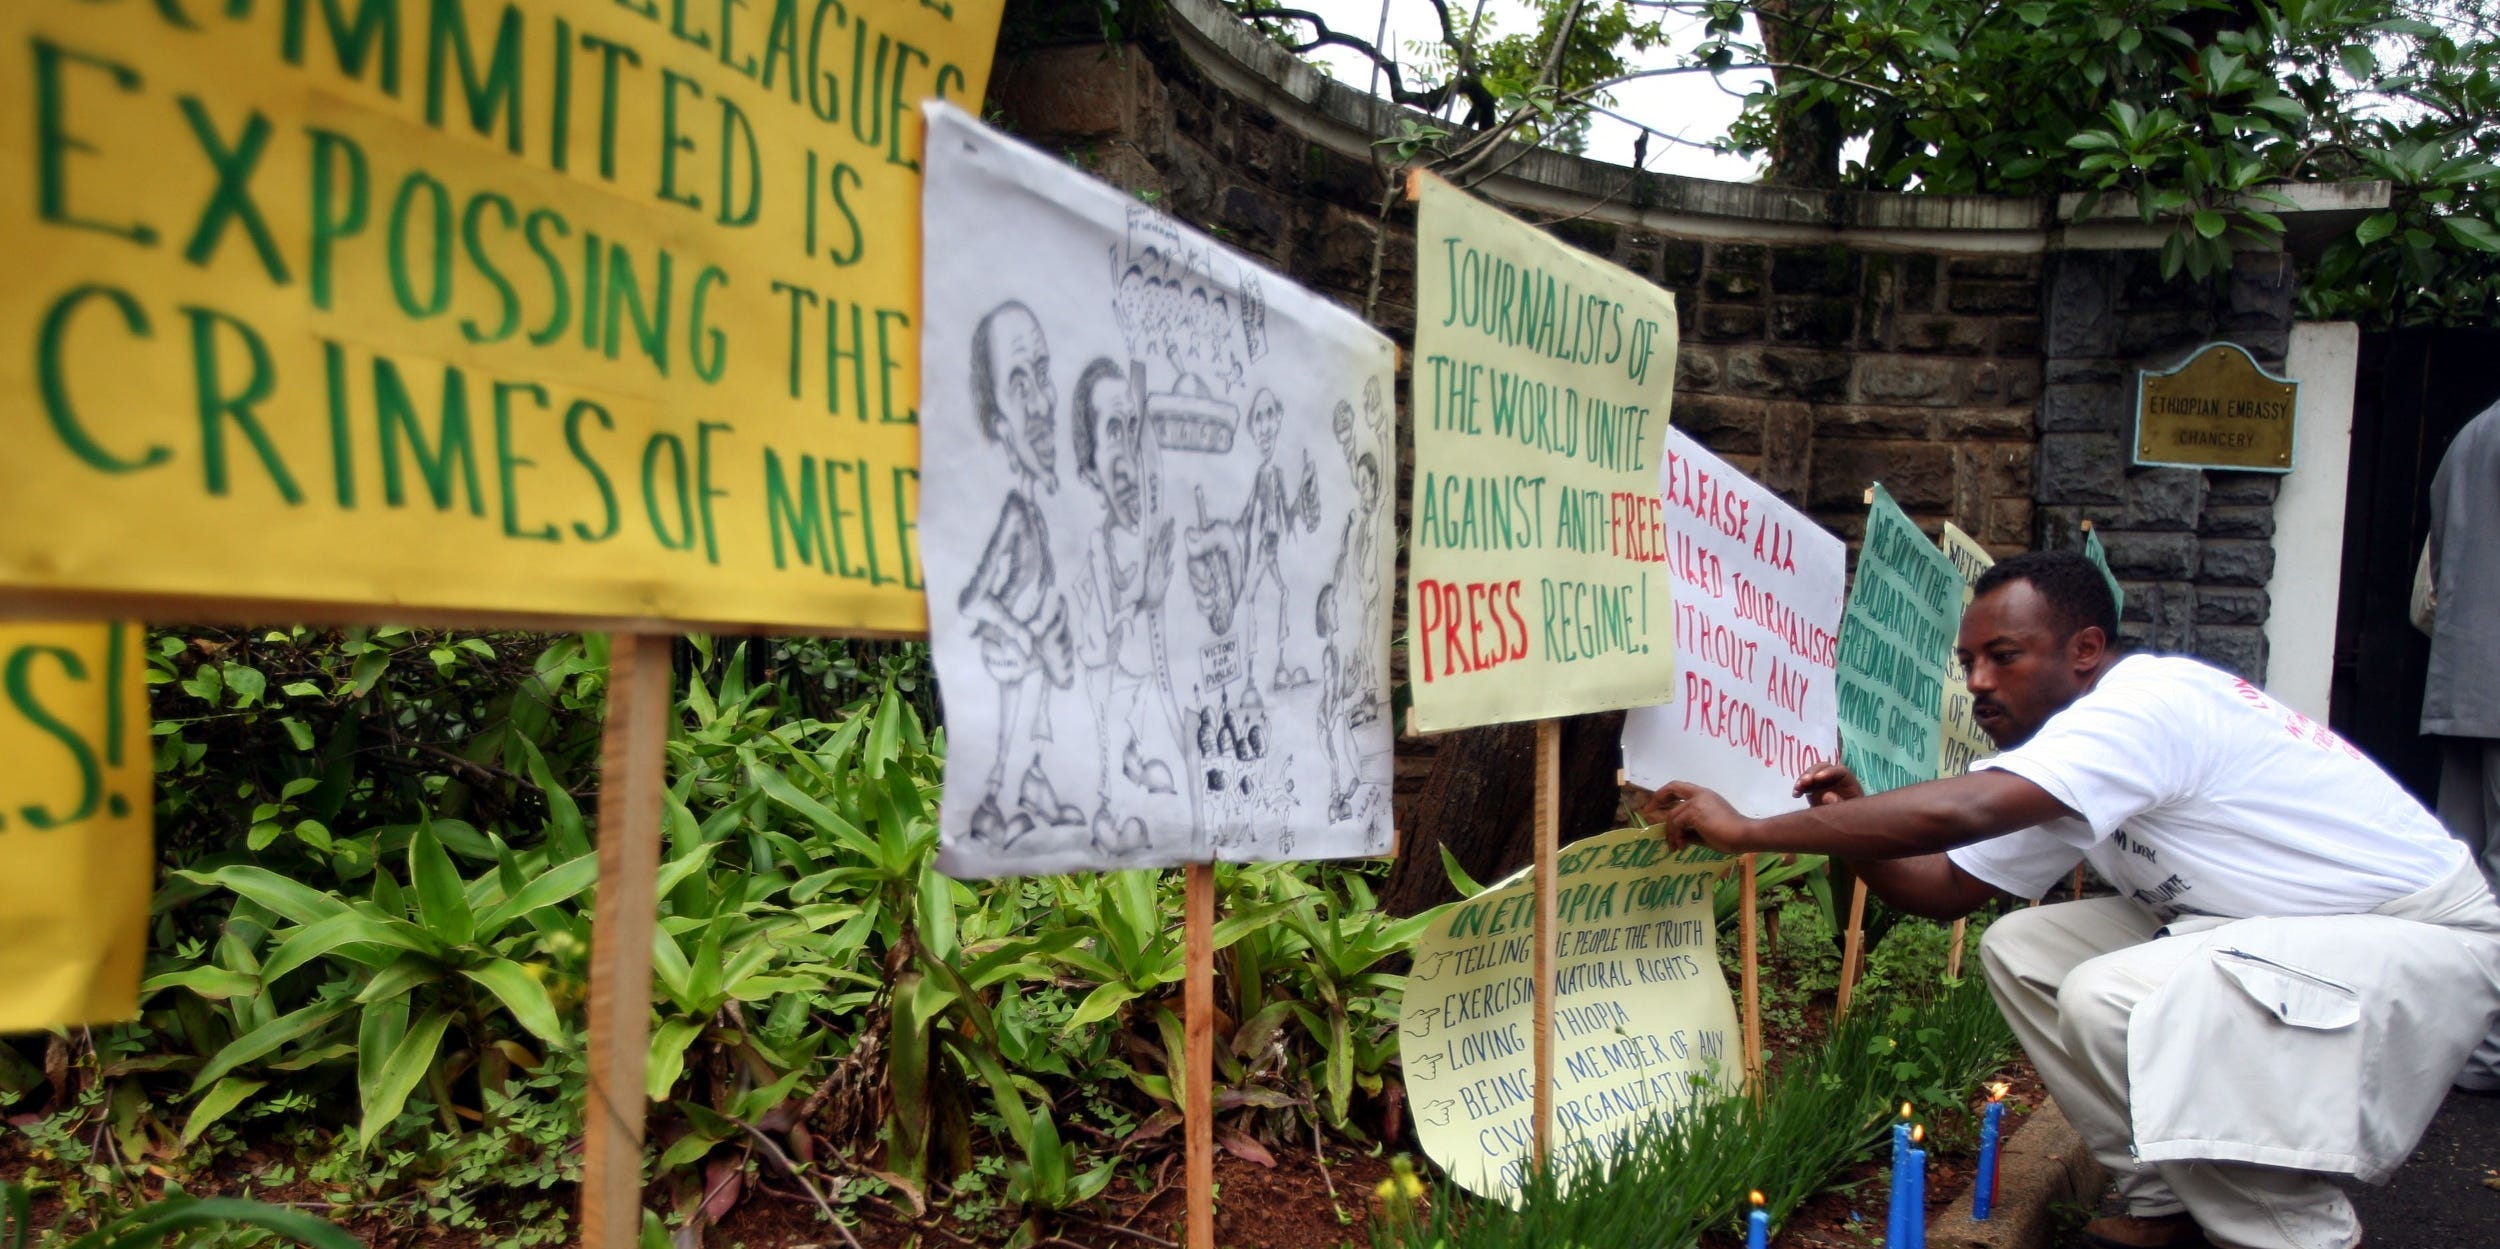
{"x":2068,"y":977}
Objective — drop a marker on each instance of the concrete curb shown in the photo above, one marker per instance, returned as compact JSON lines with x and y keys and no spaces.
{"x":2043,"y":1164}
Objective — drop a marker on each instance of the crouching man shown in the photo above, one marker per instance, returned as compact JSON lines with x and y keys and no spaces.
{"x":2299,"y":959}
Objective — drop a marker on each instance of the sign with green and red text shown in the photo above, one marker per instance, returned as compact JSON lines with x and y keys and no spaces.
{"x":1537,"y":581}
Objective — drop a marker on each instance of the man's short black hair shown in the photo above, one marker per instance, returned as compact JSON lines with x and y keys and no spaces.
{"x":2073,"y":586}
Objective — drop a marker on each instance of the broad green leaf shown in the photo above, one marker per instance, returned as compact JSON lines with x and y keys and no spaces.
{"x":442,"y":898}
{"x":151,"y":1225}
{"x":396,"y":979}
{"x":778,"y":788}
{"x":378,"y":1030}
{"x":214,"y":983}
{"x":2473,"y":232}
{"x":1101,"y":1004}
{"x":407,"y":1064}
{"x":2210,"y":223}
{"x":668,"y":1055}
{"x":554,"y":885}
{"x":566,"y":833}
{"x":2375,"y":227}
{"x":524,"y":996}
{"x":267,"y":1038}
{"x":1466,"y":885}
{"x":334,"y":936}
{"x":221,"y":1097}
{"x":284,"y":898}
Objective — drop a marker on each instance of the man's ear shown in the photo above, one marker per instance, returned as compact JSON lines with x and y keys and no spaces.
{"x":2088,"y":649}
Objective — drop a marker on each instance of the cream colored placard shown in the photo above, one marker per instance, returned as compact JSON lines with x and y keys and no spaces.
{"x":1537,"y":581}
{"x":75,"y":823}
{"x":1643,"y":1024}
{"x":560,"y":310}
{"x":1963,"y":741}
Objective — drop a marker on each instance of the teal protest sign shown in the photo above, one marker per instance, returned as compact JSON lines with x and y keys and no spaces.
{"x":1896,"y":639}
{"x":2099,"y":555}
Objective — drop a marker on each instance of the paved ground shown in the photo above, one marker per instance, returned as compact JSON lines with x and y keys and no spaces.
{"x":2439,"y":1200}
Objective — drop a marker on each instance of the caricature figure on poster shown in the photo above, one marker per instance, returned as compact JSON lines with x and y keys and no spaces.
{"x":1155,"y":523}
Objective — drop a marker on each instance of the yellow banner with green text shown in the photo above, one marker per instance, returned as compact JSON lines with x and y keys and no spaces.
{"x":571,"y":310}
{"x":1537,"y":565}
{"x":75,"y":808}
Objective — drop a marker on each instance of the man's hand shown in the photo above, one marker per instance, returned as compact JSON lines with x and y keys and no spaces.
{"x":1828,"y":783}
{"x":1688,"y":813}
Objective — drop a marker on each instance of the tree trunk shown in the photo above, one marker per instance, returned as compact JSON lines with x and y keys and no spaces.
{"x":1805,"y":149}
{"x":1480,"y":803}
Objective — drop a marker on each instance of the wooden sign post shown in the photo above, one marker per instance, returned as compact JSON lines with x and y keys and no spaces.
{"x":1548,"y":808}
{"x":633,"y":774}
{"x":1198,"y":1049}
{"x":1749,"y":952}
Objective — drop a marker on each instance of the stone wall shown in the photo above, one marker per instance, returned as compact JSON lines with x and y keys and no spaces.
{"x":2193,"y":548}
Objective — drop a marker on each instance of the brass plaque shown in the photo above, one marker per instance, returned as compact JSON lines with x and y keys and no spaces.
{"x":2218,"y":410}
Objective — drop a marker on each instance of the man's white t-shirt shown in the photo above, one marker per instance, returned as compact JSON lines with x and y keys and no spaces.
{"x":2197,"y":794}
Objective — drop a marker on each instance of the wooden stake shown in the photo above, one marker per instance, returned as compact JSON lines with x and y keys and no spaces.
{"x":633,"y":773}
{"x":1852,"y":946}
{"x":1749,"y":979}
{"x":2075,"y":890}
{"x":1548,"y":837}
{"x":1198,"y":1050}
{"x":1953,"y":954}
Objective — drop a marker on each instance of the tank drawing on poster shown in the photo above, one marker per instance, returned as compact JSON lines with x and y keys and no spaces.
{"x":1175,"y":650}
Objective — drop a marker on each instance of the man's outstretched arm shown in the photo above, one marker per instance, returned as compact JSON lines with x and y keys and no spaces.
{"x":1895,"y":840}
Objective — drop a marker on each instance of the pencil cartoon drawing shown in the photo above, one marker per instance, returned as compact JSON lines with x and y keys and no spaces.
{"x":1177,"y":655}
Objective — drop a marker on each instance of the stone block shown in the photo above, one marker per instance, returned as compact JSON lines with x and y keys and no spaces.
{"x":2237,"y":561}
{"x":2165,"y":500}
{"x":1069,"y":92}
{"x":1729,"y":323}
{"x":1822,"y":320}
{"x":1723,"y":423}
{"x":2043,"y":1169}
{"x":1788,"y":374}
{"x":1977,"y":298}
{"x":2024,"y":267}
{"x":1921,"y":277}
{"x":2263,"y":283}
{"x":1722,"y":284}
{"x":2142,"y":286}
{"x":2164,"y":336}
{"x":2140,"y":599}
{"x":1902,"y":379}
{"x":1679,"y":262}
{"x":1788,"y":449}
{"x":2173,"y":616}
{"x":1256,"y":216}
{"x":2022,"y":380}
{"x":2239,"y":649}
{"x":2082,"y":469}
{"x":1983,"y":382}
{"x":2086,"y":371}
{"x":2018,"y":336}
{"x":2241,"y":488}
{"x":2001,"y":470}
{"x":2008,"y":523}
{"x":1868,"y":420}
{"x":1342,"y":252}
{"x":1954,"y":424}
{"x":2082,"y":312}
{"x":2230,"y":605}
{"x":1957,"y":336}
{"x":1696,"y":371}
{"x":1338,"y":178}
{"x":1746,"y":258}
{"x":1831,"y":270}
{"x":1919,"y":474}
{"x":2236,"y":522}
{"x":1598,"y":238}
{"x":2151,"y":556}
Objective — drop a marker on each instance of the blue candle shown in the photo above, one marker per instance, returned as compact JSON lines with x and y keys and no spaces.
{"x":1896,"y":1213}
{"x":1757,"y":1226}
{"x":1914,"y":1217}
{"x":1983,"y":1190}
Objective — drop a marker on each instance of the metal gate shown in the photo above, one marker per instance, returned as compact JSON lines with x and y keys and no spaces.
{"x":2415,"y":390}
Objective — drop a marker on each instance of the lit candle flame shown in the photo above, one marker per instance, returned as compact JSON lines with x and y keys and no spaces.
{"x":1905,"y":1112}
{"x":1918,"y":1133}
{"x":1997,"y":1091}
{"x":1757,"y":1197}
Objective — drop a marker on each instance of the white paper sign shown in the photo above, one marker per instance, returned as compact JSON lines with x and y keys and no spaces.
{"x":1643,"y":1025}
{"x":1155,"y":517}
{"x":1758,"y":589}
